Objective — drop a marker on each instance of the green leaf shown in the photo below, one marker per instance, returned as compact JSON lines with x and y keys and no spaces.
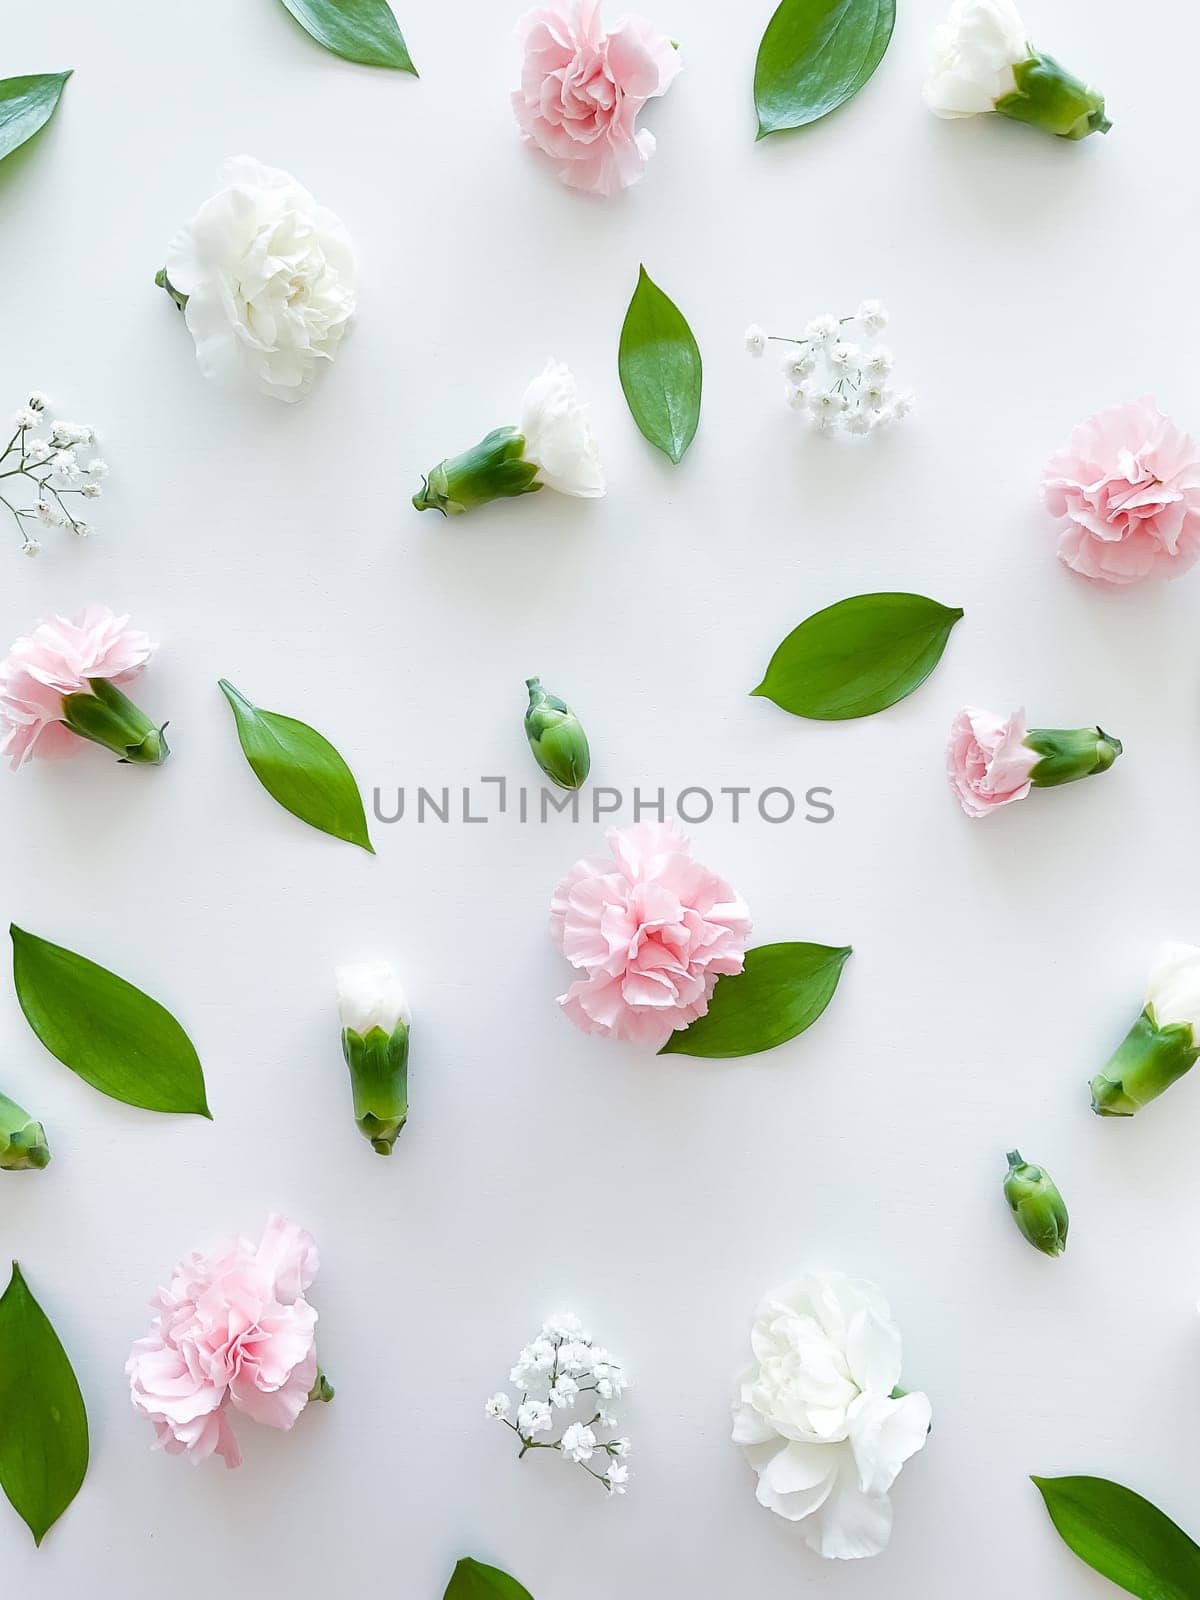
{"x":27,"y":104}
{"x":660,"y":367}
{"x":471,"y":1580}
{"x":357,"y":30}
{"x":858,"y":656}
{"x":115,"y":1037}
{"x":782,"y":990}
{"x":300,"y":769}
{"x":1123,"y":1537}
{"x":43,"y":1425}
{"x":816,"y":55}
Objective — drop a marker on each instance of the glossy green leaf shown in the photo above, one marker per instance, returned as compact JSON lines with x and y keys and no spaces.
{"x":473,"y":1581}
{"x":357,"y":30}
{"x":43,"y":1424}
{"x":27,"y":104}
{"x":660,"y":367}
{"x":300,"y":769}
{"x":816,"y":55}
{"x":112,"y":1035}
{"x":858,"y":656}
{"x":782,"y":990}
{"x":1123,"y":1537}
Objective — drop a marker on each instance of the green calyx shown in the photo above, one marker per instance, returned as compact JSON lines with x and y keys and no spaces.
{"x":106,"y":716}
{"x":1049,"y":97}
{"x":322,"y":1390}
{"x":495,"y":469}
{"x":163,"y":282}
{"x":23,"y":1146}
{"x":1146,"y":1063}
{"x":378,"y":1064}
{"x":556,"y":738}
{"x":1069,"y":754}
{"x":1037,"y":1207}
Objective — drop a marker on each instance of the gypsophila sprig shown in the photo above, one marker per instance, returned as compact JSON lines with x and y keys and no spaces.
{"x":561,"y":1377}
{"x":836,"y":375}
{"x":43,"y":473}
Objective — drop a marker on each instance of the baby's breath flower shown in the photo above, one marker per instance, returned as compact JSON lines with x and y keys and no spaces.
{"x":755,"y":339}
{"x":37,"y":474}
{"x":30,"y":547}
{"x":555,"y":1372}
{"x":823,"y":329}
{"x":838,"y":385}
{"x":873,"y":316}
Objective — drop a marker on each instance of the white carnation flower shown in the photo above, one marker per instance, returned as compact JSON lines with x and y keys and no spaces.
{"x":269,"y":278}
{"x":815,"y":1414}
{"x":972,"y":57}
{"x":370,"y":996}
{"x":558,"y":435}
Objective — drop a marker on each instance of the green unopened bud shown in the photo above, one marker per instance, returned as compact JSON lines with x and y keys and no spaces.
{"x":1147,"y":1062}
{"x":375,"y":1026}
{"x":495,"y":469}
{"x":1049,"y":97}
{"x":23,"y":1146}
{"x":1036,"y":1205}
{"x":1069,"y":754}
{"x":556,"y":738}
{"x":106,"y":716}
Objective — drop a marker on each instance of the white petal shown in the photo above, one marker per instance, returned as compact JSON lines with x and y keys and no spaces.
{"x":884,"y":1434}
{"x":873,"y":1353}
{"x":1173,"y":988}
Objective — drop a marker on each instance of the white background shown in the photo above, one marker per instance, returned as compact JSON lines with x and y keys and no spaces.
{"x":996,"y":963}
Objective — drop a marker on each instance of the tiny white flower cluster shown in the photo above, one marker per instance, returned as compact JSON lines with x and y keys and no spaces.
{"x":51,"y":463}
{"x":840,"y":385}
{"x":553,"y":1374}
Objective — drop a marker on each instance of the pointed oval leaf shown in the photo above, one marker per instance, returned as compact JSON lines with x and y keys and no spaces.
{"x":782,"y":990}
{"x":1123,"y":1537}
{"x":660,"y":367}
{"x":300,"y":768}
{"x":858,"y":656}
{"x":112,"y":1035}
{"x":816,"y":55}
{"x":471,"y":1580}
{"x":357,"y":30}
{"x":43,"y":1424}
{"x":27,"y":104}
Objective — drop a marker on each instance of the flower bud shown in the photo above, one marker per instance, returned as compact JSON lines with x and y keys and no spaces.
{"x":23,"y":1146}
{"x":1161,"y":1046}
{"x":1036,"y":1205}
{"x":556,"y":738}
{"x":552,"y":448}
{"x":107,"y":717}
{"x":1068,"y":754}
{"x":375,"y":1025}
{"x":322,"y":1390}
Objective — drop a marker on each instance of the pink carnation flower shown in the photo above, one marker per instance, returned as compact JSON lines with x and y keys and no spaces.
{"x":233,"y":1330}
{"x":582,"y":89}
{"x":652,"y":931}
{"x":58,"y":658}
{"x":1128,"y":486}
{"x":988,"y":762}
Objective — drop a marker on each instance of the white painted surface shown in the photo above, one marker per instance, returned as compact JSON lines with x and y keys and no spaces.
{"x":996,"y":964}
